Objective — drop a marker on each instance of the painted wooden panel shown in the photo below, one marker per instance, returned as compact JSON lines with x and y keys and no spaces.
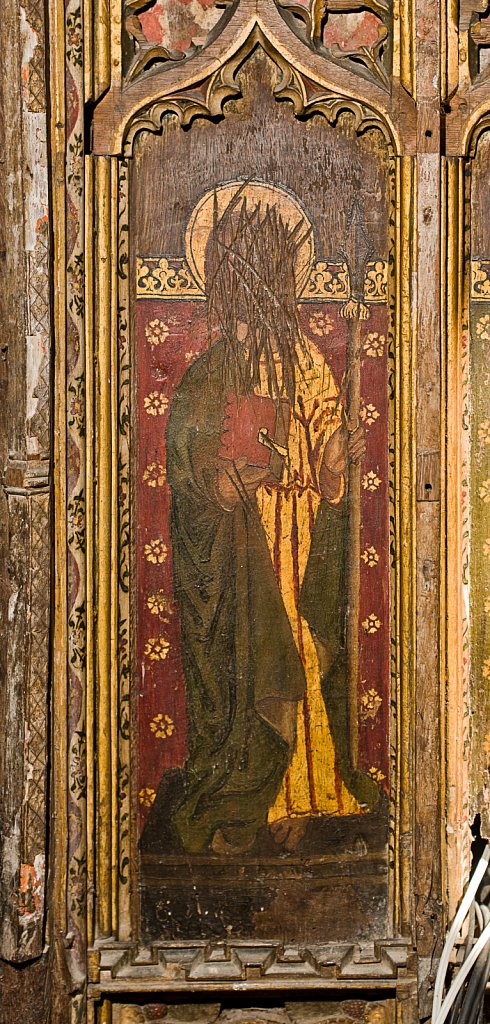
{"x":245,"y":756}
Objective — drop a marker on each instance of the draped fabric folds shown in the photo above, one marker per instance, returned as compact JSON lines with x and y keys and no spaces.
{"x":245,"y":677}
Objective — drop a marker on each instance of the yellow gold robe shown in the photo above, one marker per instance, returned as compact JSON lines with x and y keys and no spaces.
{"x":311,"y":785}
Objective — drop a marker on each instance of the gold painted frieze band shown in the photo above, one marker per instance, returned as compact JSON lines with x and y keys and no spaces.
{"x":170,"y":277}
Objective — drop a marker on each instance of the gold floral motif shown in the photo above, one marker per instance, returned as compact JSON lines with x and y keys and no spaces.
{"x":369,"y":414}
{"x":484,"y":491}
{"x":156,"y":551}
{"x":483,"y":327}
{"x":371,"y":624}
{"x":159,"y":604}
{"x":486,"y":605}
{"x":370,"y":481}
{"x":370,"y":704}
{"x":327,"y":281}
{"x":163,"y":726}
{"x":480,"y":279}
{"x":486,"y":668}
{"x":376,"y":774}
{"x":165,"y":277}
{"x":376,"y":282}
{"x":154,"y":474}
{"x":484,"y":432}
{"x":189,"y":356}
{"x":320,"y":324}
{"x":155,"y":403}
{"x":147,"y":796}
{"x":156,"y":332}
{"x":157,"y":648}
{"x":370,"y":556}
{"x":374,"y":345}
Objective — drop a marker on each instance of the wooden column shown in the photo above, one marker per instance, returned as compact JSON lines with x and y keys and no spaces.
{"x":429,"y":686}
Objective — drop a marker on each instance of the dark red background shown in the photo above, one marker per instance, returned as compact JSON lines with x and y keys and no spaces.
{"x":161,"y":686}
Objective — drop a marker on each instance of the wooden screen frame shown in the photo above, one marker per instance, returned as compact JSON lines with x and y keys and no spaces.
{"x":96,"y":823}
{"x":59,"y":801}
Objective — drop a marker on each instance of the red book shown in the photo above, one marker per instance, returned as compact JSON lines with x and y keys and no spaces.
{"x":256,"y":428}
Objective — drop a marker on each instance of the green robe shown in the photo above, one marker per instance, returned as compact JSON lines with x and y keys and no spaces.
{"x":243,"y":672}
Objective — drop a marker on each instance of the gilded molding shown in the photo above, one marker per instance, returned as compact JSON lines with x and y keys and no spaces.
{"x":455,"y":559}
{"x":371,"y":60}
{"x":405,"y":536}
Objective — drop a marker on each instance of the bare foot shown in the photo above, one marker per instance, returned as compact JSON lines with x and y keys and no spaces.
{"x":288,"y":832}
{"x":220,"y":845}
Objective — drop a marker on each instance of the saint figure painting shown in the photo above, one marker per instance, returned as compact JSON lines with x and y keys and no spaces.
{"x":258,"y":459}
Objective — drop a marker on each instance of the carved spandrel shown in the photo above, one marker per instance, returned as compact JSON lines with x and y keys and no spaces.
{"x":186,"y":86}
{"x":208,"y":101}
{"x":347,"y":31}
{"x":158,"y":34}
{"x":467,"y":115}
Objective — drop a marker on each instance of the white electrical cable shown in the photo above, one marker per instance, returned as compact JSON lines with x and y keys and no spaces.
{"x":463,"y":974}
{"x":479,"y":917}
{"x":454,"y":932}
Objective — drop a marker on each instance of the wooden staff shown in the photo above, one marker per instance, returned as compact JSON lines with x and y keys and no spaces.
{"x":354,"y":311}
{"x":354,"y":537}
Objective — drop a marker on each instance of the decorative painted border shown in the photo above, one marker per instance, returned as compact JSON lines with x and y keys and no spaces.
{"x":455,"y":519}
{"x":170,"y":277}
{"x":25,"y":486}
{"x":480,"y":280}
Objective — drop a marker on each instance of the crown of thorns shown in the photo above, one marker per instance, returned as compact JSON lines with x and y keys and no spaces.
{"x":259,"y":248}
{"x":251,"y":268}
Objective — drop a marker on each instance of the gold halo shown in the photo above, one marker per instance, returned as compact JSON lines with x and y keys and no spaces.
{"x":201,"y":223}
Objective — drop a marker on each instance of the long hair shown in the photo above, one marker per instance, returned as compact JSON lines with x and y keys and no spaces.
{"x":251,"y":262}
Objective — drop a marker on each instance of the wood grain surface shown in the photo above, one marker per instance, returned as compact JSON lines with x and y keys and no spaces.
{"x":437,"y":108}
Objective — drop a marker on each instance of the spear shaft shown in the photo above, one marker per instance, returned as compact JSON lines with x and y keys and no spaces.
{"x":354,"y":540}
